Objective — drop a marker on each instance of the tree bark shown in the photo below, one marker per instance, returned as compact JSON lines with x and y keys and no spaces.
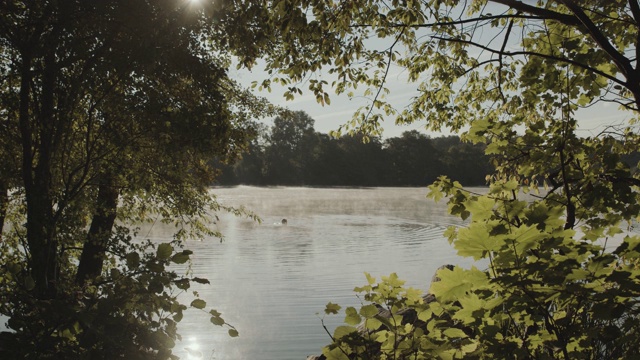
{"x":37,"y":130}
{"x":93,"y":251}
{"x":4,"y":204}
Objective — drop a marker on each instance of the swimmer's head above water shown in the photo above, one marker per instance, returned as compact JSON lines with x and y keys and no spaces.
{"x":284,"y":221}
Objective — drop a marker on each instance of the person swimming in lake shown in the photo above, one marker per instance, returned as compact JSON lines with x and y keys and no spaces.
{"x":284,"y":222}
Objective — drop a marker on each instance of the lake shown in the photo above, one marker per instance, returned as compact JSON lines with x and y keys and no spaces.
{"x":272,"y":282}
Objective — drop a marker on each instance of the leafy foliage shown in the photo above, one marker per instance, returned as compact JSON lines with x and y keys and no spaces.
{"x":555,"y":228}
{"x":111,"y":112}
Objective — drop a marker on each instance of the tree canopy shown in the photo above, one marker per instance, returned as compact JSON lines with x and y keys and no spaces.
{"x":556,"y":227}
{"x":500,"y":57}
{"x":110,"y":113}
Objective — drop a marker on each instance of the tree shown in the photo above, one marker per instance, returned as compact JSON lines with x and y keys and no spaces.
{"x":112,"y":110}
{"x":326,"y":168}
{"x":292,"y":138}
{"x":362,"y":162}
{"x":463,"y":161}
{"x":414,"y":160}
{"x":249,"y":169}
{"x":511,"y":75}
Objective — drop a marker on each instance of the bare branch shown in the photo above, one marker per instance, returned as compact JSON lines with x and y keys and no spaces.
{"x":386,"y":73}
{"x":502,"y":50}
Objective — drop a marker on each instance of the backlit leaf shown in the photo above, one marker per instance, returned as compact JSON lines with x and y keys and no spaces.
{"x":352,"y":317}
{"x":341,"y":331}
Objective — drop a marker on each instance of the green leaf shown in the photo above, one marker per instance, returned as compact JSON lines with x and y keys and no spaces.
{"x":182,"y":284}
{"x":133,"y":260}
{"x":201,"y":280}
{"x":469,"y":304}
{"x":369,"y":311}
{"x":198,"y":304}
{"x":14,"y":268}
{"x":233,"y":333}
{"x":178,"y":316}
{"x":481,"y":208}
{"x":372,"y":324}
{"x":182,"y":257}
{"x":469,"y":348}
{"x":332,"y":308}
{"x":216,"y":320}
{"x":454,"y":333}
{"x":425,"y":315}
{"x":455,"y":284}
{"x":335,"y":353}
{"x":476,"y":241}
{"x":164,"y":251}
{"x":393,"y":280}
{"x":435,"y":193}
{"x":155,"y":267}
{"x":352,"y":317}
{"x":342,"y":331}
{"x":155,"y":286}
{"x":526,"y":237}
{"x":370,"y":279}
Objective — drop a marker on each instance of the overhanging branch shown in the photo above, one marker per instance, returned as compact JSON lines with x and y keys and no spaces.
{"x":589,"y":28}
{"x":531,"y":53}
{"x":635,"y":10}
{"x":543,"y":13}
{"x":458,"y":22}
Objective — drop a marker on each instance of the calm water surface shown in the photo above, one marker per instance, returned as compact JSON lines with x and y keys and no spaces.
{"x":272,"y":281}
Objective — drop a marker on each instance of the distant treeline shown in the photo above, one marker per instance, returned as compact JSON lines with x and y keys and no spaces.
{"x":292,"y":153}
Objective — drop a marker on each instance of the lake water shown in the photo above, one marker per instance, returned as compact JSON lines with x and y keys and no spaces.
{"x":272,"y":282}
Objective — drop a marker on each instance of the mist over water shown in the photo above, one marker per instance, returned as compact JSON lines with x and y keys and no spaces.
{"x":272,"y":281}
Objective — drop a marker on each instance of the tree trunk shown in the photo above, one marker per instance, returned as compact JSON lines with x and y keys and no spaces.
{"x":93,"y":252}
{"x":37,"y":130}
{"x":4,"y":204}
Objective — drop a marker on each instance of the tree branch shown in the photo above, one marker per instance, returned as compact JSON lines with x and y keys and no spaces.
{"x":502,"y":50}
{"x":635,"y":10}
{"x":457,"y":22}
{"x":543,"y":13}
{"x":530,"y":53}
{"x":386,"y":73}
{"x":592,"y":30}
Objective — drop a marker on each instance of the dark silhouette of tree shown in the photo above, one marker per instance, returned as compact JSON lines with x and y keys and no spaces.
{"x":462,"y":161}
{"x":362,"y":163}
{"x":413,"y":160}
{"x":291,"y":140}
{"x":325,"y":168}
{"x":292,"y":153}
